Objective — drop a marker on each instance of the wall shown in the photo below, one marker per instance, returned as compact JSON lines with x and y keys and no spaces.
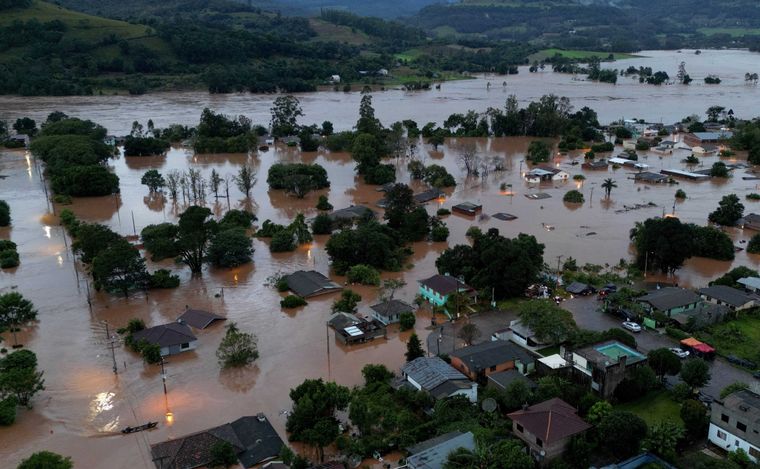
{"x":731,"y":443}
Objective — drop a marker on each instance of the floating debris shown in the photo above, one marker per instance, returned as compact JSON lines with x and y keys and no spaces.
{"x":548,"y":227}
{"x":628,"y":208}
{"x":538,"y":196}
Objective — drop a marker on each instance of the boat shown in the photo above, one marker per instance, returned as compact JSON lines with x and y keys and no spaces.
{"x":139,"y":428}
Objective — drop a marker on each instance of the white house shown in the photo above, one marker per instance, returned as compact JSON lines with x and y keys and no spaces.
{"x":173,"y":338}
{"x":735,"y":423}
{"x":546,"y":173}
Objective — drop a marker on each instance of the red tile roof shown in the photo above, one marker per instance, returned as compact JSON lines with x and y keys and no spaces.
{"x":551,"y":420}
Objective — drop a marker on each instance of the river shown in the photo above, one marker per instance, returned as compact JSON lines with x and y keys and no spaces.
{"x":85,"y":404}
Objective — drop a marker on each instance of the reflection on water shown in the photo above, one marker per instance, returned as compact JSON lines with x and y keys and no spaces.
{"x":100,"y":416}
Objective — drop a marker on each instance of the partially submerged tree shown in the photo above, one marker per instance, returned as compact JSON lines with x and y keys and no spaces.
{"x":15,"y":311}
{"x":313,"y":420}
{"x":414,"y":348}
{"x":196,"y":229}
{"x":237,"y":348}
{"x":154,"y":180}
{"x":19,"y":376}
{"x":246,"y":179}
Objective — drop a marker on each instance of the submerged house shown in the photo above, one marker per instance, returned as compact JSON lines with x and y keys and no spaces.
{"x":198,"y":318}
{"x":647,"y":176}
{"x":390,"y":311}
{"x":750,"y":222}
{"x":350,"y":329}
{"x":310,"y":283}
{"x":349,"y":215}
{"x":253,"y":439}
{"x":546,"y":173}
{"x":438,"y":288}
{"x":173,"y":338}
{"x":467,"y":208}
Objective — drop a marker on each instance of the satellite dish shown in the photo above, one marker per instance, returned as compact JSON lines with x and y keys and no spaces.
{"x":488,"y":405}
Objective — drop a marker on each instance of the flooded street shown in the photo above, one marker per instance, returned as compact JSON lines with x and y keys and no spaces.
{"x":628,"y":98}
{"x":85,"y":405}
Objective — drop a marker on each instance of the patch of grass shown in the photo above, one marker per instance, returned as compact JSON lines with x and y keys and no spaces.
{"x":657,"y":406}
{"x":409,"y":54}
{"x":579,"y":54}
{"x":736,"y":337}
{"x":733,"y":32}
{"x":333,"y":32}
{"x":545,"y":352}
{"x":511,"y":304}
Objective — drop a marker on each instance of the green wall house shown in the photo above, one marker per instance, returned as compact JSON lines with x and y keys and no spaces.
{"x":437,"y":289}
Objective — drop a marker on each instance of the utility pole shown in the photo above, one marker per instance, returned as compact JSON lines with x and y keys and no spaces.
{"x":113,"y":352}
{"x":556,"y":283}
{"x":163,"y":375}
{"x":646,"y":262}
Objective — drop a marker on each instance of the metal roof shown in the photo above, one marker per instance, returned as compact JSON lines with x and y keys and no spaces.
{"x":166,"y":335}
{"x":431,"y":372}
{"x":669,"y":298}
{"x":310,"y":283}
{"x":392,"y":307}
{"x":726,"y":294}
{"x":435,"y":457}
{"x":496,"y":352}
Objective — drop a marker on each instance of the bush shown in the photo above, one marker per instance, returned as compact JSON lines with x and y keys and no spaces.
{"x":283,"y":176}
{"x":8,"y":254}
{"x":292,"y":301}
{"x":269,"y":229}
{"x":323,"y":203}
{"x":437,"y":176}
{"x":602,"y":147}
{"x":676,"y":333}
{"x":380,"y":174}
{"x":680,"y":194}
{"x":5,"y":213}
{"x":62,"y":199}
{"x":230,"y":248}
{"x":443,"y":212}
{"x":538,"y":152}
{"x":753,"y":196}
{"x":151,"y":353}
{"x":163,"y":278}
{"x":8,"y":410}
{"x":322,"y":224}
{"x":573,"y":197}
{"x":236,"y":219}
{"x":439,"y":233}
{"x":407,"y":320}
{"x":474,"y":232}
{"x":282,"y":241}
{"x":363,"y":274}
{"x":642,"y":146}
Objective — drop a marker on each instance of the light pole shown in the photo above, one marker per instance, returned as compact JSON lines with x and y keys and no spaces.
{"x":163,"y":374}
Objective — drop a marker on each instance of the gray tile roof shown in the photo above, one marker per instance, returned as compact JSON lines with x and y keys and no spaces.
{"x":496,"y":352}
{"x":431,"y":372}
{"x":503,"y":379}
{"x":199,"y":319}
{"x":435,"y":457}
{"x":351,"y":213}
{"x":576,"y":288}
{"x":669,"y":298}
{"x":392,"y":307}
{"x":166,"y":335}
{"x":310,"y":283}
{"x":444,"y":284}
{"x":726,"y":294}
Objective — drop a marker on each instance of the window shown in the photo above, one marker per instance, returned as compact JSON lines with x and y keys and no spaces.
{"x":724,"y":417}
{"x":721,"y":435}
{"x":754,"y":452}
{"x":184,"y":346}
{"x":493,"y":368}
{"x":539,"y":443}
{"x":741,"y":426}
{"x":519,"y":427}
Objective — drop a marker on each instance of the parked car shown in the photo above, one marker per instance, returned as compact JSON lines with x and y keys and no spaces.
{"x":631,"y":326}
{"x":610,"y":288}
{"x":679,"y":353}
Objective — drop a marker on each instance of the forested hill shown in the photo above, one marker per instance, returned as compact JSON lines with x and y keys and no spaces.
{"x":139,"y":8}
{"x":619,"y":25}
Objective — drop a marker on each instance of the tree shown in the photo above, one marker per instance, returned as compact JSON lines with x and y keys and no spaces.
{"x":517,"y":394}
{"x":662,"y":439}
{"x":322,"y":224}
{"x":19,"y":377}
{"x":729,"y":211}
{"x":598,"y":412}
{"x":285,"y":113}
{"x":313,"y":420}
{"x":90,"y":239}
{"x":236,"y":219}
{"x":119,"y":267}
{"x":369,"y":243}
{"x":437,"y":176}
{"x":753,"y":246}
{"x":348,"y":302}
{"x":662,"y":243}
{"x":195,"y":231}
{"x":621,"y":432}
{"x":300,"y":230}
{"x":323,"y":203}
{"x":406,"y":320}
{"x":695,"y":373}
{"x":573,"y":196}
{"x":15,"y":311}
{"x":223,"y":455}
{"x":414,"y":348}
{"x":25,"y":126}
{"x":237,"y":348}
{"x":437,"y":139}
{"x":608,"y":185}
{"x":230,"y":248}
{"x":470,"y":160}
{"x":538,"y":152}
{"x":505,"y":454}
{"x":363,"y":274}
{"x":641,"y":380}
{"x":681,"y":75}
{"x":469,"y":333}
{"x":46,"y":460}
{"x":153,"y":179}
{"x":695,"y":419}
{"x":548,"y":321}
{"x":159,"y":240}
{"x":5,"y":213}
{"x":376,"y":374}
{"x":732,"y":388}
{"x":664,"y":362}
{"x":215,"y":181}
{"x":719,"y":170}
{"x":389,"y":288}
{"x":245,"y":179}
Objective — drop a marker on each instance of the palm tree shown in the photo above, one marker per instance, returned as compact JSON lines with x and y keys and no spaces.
{"x":608,"y":185}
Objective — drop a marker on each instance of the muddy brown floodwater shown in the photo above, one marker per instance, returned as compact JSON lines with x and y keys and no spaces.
{"x":628,"y":98}
{"x":85,"y":404}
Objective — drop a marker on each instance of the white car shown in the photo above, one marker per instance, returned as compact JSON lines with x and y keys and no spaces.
{"x":631,"y":326}
{"x":679,"y":353}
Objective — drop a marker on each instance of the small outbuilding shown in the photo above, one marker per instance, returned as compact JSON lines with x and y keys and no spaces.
{"x":198,"y":319}
{"x":310,"y":283}
{"x":647,"y":176}
{"x":389,"y":312}
{"x":467,"y":208}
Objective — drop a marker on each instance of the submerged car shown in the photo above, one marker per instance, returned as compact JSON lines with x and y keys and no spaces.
{"x":679,"y":353}
{"x":631,"y":326}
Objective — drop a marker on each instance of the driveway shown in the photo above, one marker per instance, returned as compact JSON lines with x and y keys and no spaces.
{"x":443,"y":337}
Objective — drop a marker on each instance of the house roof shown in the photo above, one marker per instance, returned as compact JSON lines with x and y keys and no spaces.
{"x":427,"y":196}
{"x":448,"y":388}
{"x":483,"y":356}
{"x":444,"y":284}
{"x":669,"y":298}
{"x":503,"y":379}
{"x":745,"y":402}
{"x":551,"y":420}
{"x":435,"y":456}
{"x":467,"y":207}
{"x":609,"y":353}
{"x":341,"y":320}
{"x":431,"y":372}
{"x":391,"y":308}
{"x":199,"y":319}
{"x":166,"y":335}
{"x":750,"y":282}
{"x":253,"y":440}
{"x":724,"y":135}
{"x":726,"y":294}
{"x":751,"y":218}
{"x":650,"y":177}
{"x":351,"y":213}
{"x":310,"y":283}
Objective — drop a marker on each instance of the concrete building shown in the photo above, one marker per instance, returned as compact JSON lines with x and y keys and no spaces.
{"x":751,"y":284}
{"x":436,"y":289}
{"x":735,"y":423}
{"x":604,"y":366}
{"x":735,"y":299}
{"x":477,"y":362}
{"x":438,"y":378}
